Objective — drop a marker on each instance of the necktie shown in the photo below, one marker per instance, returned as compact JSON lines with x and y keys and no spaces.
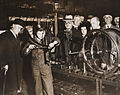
{"x":18,"y":40}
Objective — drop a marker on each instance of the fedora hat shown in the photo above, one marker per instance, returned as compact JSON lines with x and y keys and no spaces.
{"x":19,"y":22}
{"x":106,"y":16}
{"x":68,"y":18}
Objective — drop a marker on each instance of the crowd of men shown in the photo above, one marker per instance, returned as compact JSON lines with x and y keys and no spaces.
{"x":36,"y":43}
{"x":76,"y":27}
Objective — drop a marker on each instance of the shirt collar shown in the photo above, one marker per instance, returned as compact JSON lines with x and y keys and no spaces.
{"x":95,"y":28}
{"x":13,"y":33}
{"x":108,"y":25}
{"x":75,"y":26}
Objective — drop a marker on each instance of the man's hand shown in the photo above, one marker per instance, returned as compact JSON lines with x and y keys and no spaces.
{"x":31,"y":46}
{"x":51,"y":45}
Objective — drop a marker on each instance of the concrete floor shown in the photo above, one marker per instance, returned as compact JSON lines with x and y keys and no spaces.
{"x":65,"y":84}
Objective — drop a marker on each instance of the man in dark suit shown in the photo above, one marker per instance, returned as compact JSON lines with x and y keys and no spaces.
{"x":10,"y":55}
{"x":108,"y":22}
{"x":68,"y":37}
{"x":76,"y":34}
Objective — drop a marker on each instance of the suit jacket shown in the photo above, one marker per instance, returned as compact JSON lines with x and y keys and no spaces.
{"x":76,"y":40}
{"x":112,"y":26}
{"x":10,"y":55}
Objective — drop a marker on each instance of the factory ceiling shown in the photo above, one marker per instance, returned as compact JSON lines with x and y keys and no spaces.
{"x":43,"y":7}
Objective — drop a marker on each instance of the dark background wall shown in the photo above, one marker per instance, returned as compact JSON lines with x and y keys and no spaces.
{"x":43,"y":7}
{"x":97,"y":7}
{"x":83,"y":6}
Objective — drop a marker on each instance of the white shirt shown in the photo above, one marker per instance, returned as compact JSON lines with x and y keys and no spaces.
{"x":98,"y":27}
{"x":13,"y":33}
{"x":108,"y":26}
{"x":2,"y":31}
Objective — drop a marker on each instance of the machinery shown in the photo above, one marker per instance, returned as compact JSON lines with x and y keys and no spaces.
{"x":99,"y":61}
{"x":101,"y":51}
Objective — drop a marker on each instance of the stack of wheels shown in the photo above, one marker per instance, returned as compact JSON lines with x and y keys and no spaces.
{"x":101,"y":51}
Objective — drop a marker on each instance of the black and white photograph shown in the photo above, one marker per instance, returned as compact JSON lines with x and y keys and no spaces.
{"x":59,"y":47}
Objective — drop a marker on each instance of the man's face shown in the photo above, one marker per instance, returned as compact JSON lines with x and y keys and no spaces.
{"x":82,"y":18}
{"x":94,"y":23}
{"x":108,"y":20}
{"x":68,"y":24}
{"x":116,"y":20}
{"x":84,"y":31}
{"x":17,"y":28}
{"x":41,"y":34}
{"x":77,"y":21}
{"x":30,"y":30}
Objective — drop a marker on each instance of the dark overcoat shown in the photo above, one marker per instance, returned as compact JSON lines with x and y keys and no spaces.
{"x":10,"y":55}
